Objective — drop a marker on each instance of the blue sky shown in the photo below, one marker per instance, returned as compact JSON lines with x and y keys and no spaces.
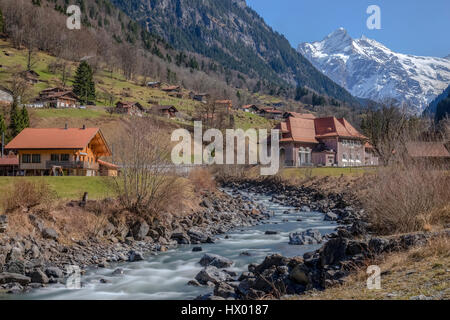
{"x":419,"y":27}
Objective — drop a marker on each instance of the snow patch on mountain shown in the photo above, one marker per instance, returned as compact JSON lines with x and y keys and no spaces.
{"x":370,"y":70}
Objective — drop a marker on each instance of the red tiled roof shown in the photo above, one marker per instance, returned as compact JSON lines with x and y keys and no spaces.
{"x":53,"y":138}
{"x":9,"y":161}
{"x":427,"y":150}
{"x":310,"y":129}
{"x":332,"y":127}
{"x":107,"y":165}
{"x":301,"y":115}
{"x":300,"y":130}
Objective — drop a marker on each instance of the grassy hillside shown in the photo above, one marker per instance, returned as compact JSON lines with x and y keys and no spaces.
{"x":107,"y":84}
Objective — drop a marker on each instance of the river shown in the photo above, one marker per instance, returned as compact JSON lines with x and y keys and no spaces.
{"x":165,"y":275}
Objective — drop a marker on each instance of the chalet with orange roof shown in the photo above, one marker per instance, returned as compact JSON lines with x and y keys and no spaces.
{"x":9,"y":164}
{"x":57,"y":151}
{"x":309,"y":141}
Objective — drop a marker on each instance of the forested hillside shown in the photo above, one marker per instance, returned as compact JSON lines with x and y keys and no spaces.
{"x":234,"y":35}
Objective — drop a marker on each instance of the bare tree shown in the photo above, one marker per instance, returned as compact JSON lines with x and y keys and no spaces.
{"x":19,"y":88}
{"x":388,"y":130}
{"x":145,"y":183}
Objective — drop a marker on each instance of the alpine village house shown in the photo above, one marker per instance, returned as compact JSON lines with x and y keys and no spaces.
{"x":62,"y":151}
{"x":309,"y":141}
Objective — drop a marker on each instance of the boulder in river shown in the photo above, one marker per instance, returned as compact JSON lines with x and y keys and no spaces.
{"x":330,"y":216}
{"x":310,"y":236}
{"x":215,"y":261}
{"x":38,"y":276}
{"x":135,"y":256}
{"x":213,"y":275}
{"x":197,"y":249}
{"x":270,"y":232}
{"x":54,"y":272}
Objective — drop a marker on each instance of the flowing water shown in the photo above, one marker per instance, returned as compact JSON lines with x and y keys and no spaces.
{"x":165,"y":276}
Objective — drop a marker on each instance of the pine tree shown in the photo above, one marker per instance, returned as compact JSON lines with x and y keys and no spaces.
{"x":15,"y":124}
{"x":84,"y":86}
{"x":24,"y":118}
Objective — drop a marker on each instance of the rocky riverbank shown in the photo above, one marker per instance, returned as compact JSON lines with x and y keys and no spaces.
{"x":39,"y":259}
{"x":347,"y":249}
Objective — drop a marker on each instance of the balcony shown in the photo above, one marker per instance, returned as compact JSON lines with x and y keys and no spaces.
{"x":71,"y":165}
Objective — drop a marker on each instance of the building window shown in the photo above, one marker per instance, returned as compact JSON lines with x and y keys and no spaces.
{"x":36,"y":158}
{"x":344,"y":157}
{"x":26,"y":158}
{"x":54,"y":157}
{"x":65,"y":157}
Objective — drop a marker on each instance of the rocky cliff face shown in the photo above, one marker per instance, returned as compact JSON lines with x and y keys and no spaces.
{"x":232,"y":34}
{"x":370,"y":70}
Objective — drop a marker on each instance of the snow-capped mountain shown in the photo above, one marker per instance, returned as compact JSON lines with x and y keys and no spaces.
{"x":370,"y":70}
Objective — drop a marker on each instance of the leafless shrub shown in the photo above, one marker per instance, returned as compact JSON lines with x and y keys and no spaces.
{"x":146,"y":183}
{"x":411,"y":198}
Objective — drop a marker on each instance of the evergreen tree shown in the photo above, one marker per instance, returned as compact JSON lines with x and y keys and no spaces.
{"x":15,"y":124}
{"x":300,"y":93}
{"x":24,"y":118}
{"x":84,"y":86}
{"x":443,"y":109}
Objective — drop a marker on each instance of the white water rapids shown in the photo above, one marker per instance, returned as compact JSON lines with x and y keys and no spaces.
{"x":165,"y":275}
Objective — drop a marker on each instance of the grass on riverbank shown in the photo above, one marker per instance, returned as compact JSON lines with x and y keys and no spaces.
{"x":301,"y":173}
{"x":406,"y":275}
{"x":66,"y":188}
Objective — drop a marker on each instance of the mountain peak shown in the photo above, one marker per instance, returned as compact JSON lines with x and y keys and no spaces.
{"x":368,"y":69}
{"x":340,"y":33}
{"x":447,"y":57}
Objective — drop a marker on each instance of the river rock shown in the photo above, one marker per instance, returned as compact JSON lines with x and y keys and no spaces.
{"x":333,"y":251}
{"x":181,"y":237}
{"x":118,"y":272}
{"x":54,"y":272}
{"x":330,"y":216}
{"x":310,"y":236}
{"x":197,"y":249}
{"x":140,"y":230}
{"x":300,"y":274}
{"x":135,"y":256}
{"x":38,"y":276}
{"x":269,"y":232}
{"x":15,"y":266}
{"x":215,"y":261}
{"x":7,"y":277}
{"x":378,"y":245}
{"x":212,"y":274}
{"x":49,"y":233}
{"x":305,"y":209}
{"x":224,"y":290}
